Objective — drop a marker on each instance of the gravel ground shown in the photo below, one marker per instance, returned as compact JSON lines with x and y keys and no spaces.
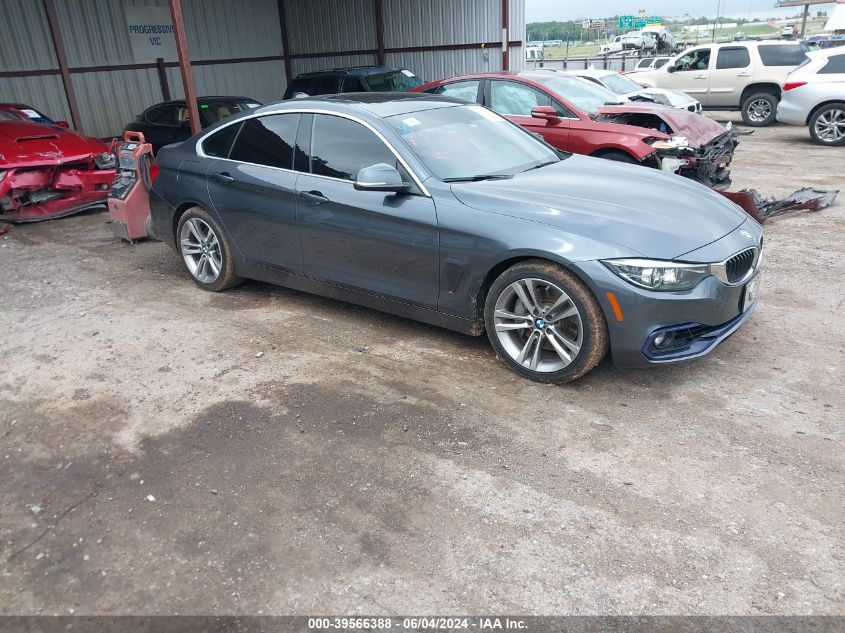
{"x":166,"y":450}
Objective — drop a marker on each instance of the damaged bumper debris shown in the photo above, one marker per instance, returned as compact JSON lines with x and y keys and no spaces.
{"x":49,"y":172}
{"x":34,"y":194}
{"x":708,"y":164}
{"x":761,"y":209}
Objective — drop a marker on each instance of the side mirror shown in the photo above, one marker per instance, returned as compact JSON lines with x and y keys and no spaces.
{"x":670,"y":68}
{"x":380,"y":177}
{"x":63,"y":124}
{"x":547,"y":113}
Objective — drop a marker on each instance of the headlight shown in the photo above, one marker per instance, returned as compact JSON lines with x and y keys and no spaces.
{"x":104,"y":160}
{"x":659,"y":275}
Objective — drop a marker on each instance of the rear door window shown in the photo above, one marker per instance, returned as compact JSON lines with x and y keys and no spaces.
{"x":463,"y":90}
{"x":267,"y":140}
{"x":340,"y":148}
{"x":163,"y":114}
{"x":219,"y":143}
{"x":835,"y":65}
{"x":781,"y":54}
{"x":733,"y":57}
{"x":352,"y":84}
{"x":660,"y":63}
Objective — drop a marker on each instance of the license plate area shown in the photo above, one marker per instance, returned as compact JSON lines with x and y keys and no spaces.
{"x":750,"y":293}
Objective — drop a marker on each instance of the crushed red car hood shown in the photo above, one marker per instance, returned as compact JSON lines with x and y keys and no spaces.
{"x":25,"y":144}
{"x":697,"y":128}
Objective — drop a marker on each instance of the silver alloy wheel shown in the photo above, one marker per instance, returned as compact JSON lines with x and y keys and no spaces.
{"x":759,"y":110}
{"x":830,"y":126}
{"x":538,"y":325}
{"x":201,"y":250}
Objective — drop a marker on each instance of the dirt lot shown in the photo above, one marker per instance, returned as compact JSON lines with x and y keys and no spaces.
{"x":167,"y":450}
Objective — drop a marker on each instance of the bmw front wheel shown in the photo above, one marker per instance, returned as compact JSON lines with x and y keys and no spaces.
{"x":545,"y":323}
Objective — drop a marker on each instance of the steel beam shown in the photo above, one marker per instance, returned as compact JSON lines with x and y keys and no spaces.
{"x":185,"y":64}
{"x":59,"y":47}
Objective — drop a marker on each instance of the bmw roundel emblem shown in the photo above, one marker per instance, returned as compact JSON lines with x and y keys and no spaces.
{"x":746,"y":234}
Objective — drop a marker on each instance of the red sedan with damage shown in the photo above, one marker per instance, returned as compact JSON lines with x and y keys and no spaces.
{"x":48,"y":172}
{"x":578,"y":116}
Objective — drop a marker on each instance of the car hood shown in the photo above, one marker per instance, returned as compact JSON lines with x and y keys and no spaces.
{"x":23,"y":144}
{"x":698,"y":129}
{"x":650,"y":212}
{"x":670,"y":97}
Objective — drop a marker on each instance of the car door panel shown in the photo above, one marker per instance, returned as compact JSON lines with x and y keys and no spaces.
{"x":383,"y":243}
{"x":254,"y":192}
{"x":692,"y":78}
{"x":729,"y":75}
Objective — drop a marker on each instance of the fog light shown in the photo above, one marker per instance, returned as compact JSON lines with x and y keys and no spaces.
{"x":663,"y":340}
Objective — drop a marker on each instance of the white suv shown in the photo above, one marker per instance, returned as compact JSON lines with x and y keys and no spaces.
{"x":745,"y":76}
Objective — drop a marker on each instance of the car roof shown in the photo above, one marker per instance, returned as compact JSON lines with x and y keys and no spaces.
{"x":379,"y":104}
{"x":209,"y":99}
{"x":358,"y":71}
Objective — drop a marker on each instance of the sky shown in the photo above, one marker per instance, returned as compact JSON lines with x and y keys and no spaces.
{"x":548,"y":10}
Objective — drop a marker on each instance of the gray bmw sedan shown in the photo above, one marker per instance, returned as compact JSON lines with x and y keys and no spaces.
{"x":445,"y":212}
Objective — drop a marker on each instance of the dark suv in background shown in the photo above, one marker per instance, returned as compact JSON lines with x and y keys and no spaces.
{"x":354,"y":79}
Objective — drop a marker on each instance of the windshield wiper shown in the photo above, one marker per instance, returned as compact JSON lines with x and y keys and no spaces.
{"x":478,"y":177}
{"x":550,"y":162}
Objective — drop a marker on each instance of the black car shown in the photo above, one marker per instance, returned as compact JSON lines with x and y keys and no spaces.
{"x":167,"y":122}
{"x":354,"y":79}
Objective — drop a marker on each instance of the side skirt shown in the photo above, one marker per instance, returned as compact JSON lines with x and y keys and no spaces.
{"x":258,"y":272}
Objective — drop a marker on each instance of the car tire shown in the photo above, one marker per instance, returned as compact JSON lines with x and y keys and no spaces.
{"x":618,"y":156}
{"x":544,"y":323}
{"x":827,"y":125}
{"x":205,"y":251}
{"x":760,"y":109}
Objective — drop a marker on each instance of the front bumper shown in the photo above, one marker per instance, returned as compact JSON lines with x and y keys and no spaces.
{"x":712,"y":311}
{"x":49,"y":192}
{"x":708,"y":164}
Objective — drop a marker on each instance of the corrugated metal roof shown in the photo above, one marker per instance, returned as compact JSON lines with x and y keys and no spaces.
{"x":319,"y":26}
{"x":26,"y":43}
{"x":431,"y":65}
{"x":433,"y":22}
{"x":44,"y":92}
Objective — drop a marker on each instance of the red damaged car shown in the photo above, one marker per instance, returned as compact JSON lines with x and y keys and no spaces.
{"x":578,"y":116}
{"x":48,"y":172}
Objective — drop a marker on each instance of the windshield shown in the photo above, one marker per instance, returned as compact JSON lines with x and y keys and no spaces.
{"x":219,"y":110}
{"x":584,"y":94}
{"x":393,"y":81}
{"x":463,"y":142}
{"x":620,"y":84}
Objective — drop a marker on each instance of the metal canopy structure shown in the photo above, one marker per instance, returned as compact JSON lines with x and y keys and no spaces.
{"x":73,"y":58}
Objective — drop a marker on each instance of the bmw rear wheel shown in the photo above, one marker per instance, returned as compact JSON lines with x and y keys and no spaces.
{"x":545,"y":323}
{"x":205,"y":251}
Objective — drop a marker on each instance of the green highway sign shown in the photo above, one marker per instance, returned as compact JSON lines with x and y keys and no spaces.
{"x":630,"y":22}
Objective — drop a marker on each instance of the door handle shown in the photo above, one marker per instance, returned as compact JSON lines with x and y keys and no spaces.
{"x":313,"y":197}
{"x":743,"y":74}
{"x":701,"y":76}
{"x":223,"y":178}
